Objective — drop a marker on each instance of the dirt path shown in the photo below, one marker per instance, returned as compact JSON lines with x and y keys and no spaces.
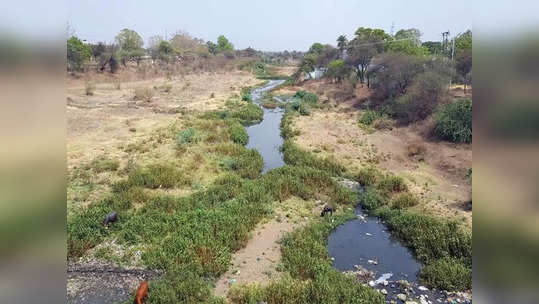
{"x":257,"y":262}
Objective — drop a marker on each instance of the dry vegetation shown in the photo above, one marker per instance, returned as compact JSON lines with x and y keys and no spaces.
{"x":112,"y":123}
{"x":437,"y":172}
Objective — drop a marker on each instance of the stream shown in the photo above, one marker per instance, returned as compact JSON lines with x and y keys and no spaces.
{"x":362,"y":245}
{"x":265,"y":136}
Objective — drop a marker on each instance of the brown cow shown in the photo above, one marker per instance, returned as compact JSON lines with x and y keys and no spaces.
{"x":142,"y":293}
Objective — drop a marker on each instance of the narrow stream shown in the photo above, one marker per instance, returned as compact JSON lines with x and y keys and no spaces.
{"x":265,"y":137}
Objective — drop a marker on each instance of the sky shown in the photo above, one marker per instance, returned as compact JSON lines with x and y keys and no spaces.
{"x":273,"y":25}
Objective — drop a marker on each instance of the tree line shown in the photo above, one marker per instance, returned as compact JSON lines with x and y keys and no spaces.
{"x":129,"y":47}
{"x":409,"y":78}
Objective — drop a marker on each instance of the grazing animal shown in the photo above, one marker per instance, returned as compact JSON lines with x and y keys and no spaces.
{"x":142,"y":293}
{"x":327,"y":209}
{"x":110,"y":218}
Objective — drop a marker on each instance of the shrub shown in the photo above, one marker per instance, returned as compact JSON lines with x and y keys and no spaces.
{"x":367,"y":176}
{"x":447,"y":274}
{"x":421,"y":98}
{"x":144,"y":93}
{"x":453,"y":121}
{"x":89,"y":88}
{"x":368,"y":117}
{"x":430,"y":238}
{"x":303,"y":110}
{"x":248,"y":113}
{"x":383,"y":123}
{"x":238,"y":134}
{"x":372,"y":199}
{"x":307,"y":97}
{"x":390,"y":183}
{"x":157,"y":176}
{"x":186,"y":137}
{"x":403,"y":200}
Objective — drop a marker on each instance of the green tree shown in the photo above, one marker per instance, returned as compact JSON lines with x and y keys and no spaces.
{"x":408,"y":42}
{"x":212,"y":47}
{"x":434,"y":47}
{"x":130,"y":44}
{"x":366,"y":44}
{"x":337,"y":70}
{"x":463,"y":42}
{"x":223,"y":45}
{"x":316,"y":48}
{"x":342,"y":42}
{"x":77,"y":54}
{"x":166,"y":51}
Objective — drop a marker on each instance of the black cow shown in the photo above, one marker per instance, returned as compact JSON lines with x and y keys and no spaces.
{"x":327,"y":209}
{"x":110,"y":218}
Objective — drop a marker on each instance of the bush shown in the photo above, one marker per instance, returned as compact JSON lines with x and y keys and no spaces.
{"x":389,"y":184}
{"x":238,"y":134}
{"x":144,"y":93}
{"x":246,"y":94}
{"x":367,"y":176}
{"x":307,"y":97}
{"x":368,"y":117}
{"x":158,"y":176}
{"x":89,"y":88}
{"x":187,"y":137}
{"x":403,"y":200}
{"x":453,"y":121}
{"x":372,"y":199}
{"x":383,"y":123}
{"x":447,"y":274}
{"x":421,"y":98}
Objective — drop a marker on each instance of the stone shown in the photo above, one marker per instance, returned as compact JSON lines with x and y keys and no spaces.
{"x":401,"y":297}
{"x":383,"y":291}
{"x":422,"y":288}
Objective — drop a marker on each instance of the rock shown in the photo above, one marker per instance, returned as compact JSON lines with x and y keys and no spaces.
{"x":374,"y":262}
{"x":368,"y":234}
{"x":383,"y":291}
{"x":422,"y":288}
{"x":386,"y":283}
{"x":410,"y":302}
{"x":401,"y":297}
{"x":371,"y":283}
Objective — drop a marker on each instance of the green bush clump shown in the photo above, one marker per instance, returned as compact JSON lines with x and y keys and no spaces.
{"x":368,"y":117}
{"x":429,"y":237}
{"x":248,"y":114}
{"x":403,"y":200}
{"x":372,"y":199}
{"x":390,"y":184}
{"x":447,"y":274}
{"x":158,"y":176}
{"x":295,"y":156}
{"x":307,"y":97}
{"x":453,"y":121}
{"x":238,"y":134}
{"x":367,"y":176}
{"x":186,"y":137}
{"x":246,"y":94}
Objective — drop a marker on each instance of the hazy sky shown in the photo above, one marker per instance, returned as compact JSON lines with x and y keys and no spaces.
{"x":266,"y":25}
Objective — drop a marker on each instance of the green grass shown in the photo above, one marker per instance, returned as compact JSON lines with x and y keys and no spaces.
{"x":447,"y":273}
{"x":368,"y":117}
{"x":238,"y":134}
{"x":403,"y":200}
{"x":102,"y":164}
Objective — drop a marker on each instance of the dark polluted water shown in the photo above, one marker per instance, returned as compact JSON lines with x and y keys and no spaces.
{"x":265,"y":136}
{"x":366,"y":242}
